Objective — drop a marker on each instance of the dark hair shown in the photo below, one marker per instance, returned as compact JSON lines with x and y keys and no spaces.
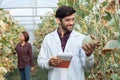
{"x":64,"y":11}
{"x":26,"y":35}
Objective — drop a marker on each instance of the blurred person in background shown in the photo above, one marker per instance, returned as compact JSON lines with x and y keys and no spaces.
{"x":25,"y":58}
{"x":66,"y":40}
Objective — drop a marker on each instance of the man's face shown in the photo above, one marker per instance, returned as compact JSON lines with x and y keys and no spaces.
{"x":67,"y":23}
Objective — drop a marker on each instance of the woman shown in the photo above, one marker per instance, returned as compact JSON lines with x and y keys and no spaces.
{"x":25,"y":59}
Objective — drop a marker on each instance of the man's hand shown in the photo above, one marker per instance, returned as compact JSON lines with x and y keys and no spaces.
{"x":54,"y":61}
{"x":90,"y":47}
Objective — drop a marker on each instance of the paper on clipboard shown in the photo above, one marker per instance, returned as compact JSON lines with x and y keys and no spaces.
{"x":65,"y":56}
{"x":66,"y":59}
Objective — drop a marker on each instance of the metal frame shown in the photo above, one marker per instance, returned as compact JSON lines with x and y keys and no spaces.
{"x":26,"y":7}
{"x":1,"y":2}
{"x":34,"y":8}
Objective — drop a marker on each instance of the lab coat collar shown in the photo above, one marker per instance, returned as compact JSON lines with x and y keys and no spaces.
{"x":73,"y":34}
{"x":57,"y":39}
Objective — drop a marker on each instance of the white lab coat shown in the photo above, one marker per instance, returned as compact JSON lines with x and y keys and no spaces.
{"x":51,"y":46}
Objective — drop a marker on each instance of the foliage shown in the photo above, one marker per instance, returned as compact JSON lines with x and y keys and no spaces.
{"x":101,"y":19}
{"x":46,"y":26}
{"x":9,"y":33}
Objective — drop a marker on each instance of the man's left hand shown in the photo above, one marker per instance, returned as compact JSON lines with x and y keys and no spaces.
{"x":90,"y":47}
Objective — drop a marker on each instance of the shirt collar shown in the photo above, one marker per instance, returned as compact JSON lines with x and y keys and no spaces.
{"x":24,"y":45}
{"x":67,"y":33}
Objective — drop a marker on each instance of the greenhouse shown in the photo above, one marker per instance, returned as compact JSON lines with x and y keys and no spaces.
{"x":86,"y":47}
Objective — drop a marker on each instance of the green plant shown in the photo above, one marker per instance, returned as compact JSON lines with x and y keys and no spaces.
{"x":9,"y":37}
{"x":100,"y":19}
{"x":46,"y":26}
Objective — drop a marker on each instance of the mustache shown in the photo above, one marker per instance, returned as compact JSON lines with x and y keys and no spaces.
{"x":70,"y":25}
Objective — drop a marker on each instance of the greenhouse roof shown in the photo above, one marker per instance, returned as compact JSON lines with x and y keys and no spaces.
{"x":28,"y":12}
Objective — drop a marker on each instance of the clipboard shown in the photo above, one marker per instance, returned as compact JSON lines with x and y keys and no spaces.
{"x":66,"y":59}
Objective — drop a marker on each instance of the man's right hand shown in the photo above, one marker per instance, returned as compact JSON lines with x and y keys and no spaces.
{"x":54,"y":61}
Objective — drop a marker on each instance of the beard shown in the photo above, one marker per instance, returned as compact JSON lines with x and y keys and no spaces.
{"x":64,"y":27}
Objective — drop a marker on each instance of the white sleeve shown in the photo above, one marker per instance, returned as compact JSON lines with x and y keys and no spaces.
{"x":87,"y":62}
{"x":44,"y":56}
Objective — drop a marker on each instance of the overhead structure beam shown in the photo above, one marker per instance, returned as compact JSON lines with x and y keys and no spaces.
{"x":1,"y":2}
{"x":26,"y":7}
{"x":34,"y":7}
{"x":21,"y":20}
{"x":28,"y":24}
{"x":34,"y":13}
{"x":31,"y":16}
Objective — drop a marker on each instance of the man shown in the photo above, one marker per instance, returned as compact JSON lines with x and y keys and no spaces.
{"x":66,"y":40}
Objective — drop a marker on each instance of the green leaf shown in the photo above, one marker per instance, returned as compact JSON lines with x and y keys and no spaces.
{"x":104,"y":3}
{"x":107,"y":16}
{"x":114,"y":76}
{"x":112,"y":45}
{"x":114,"y":21}
{"x":88,"y":1}
{"x":89,"y":39}
{"x":111,"y":22}
{"x":70,"y":2}
{"x":61,"y":3}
